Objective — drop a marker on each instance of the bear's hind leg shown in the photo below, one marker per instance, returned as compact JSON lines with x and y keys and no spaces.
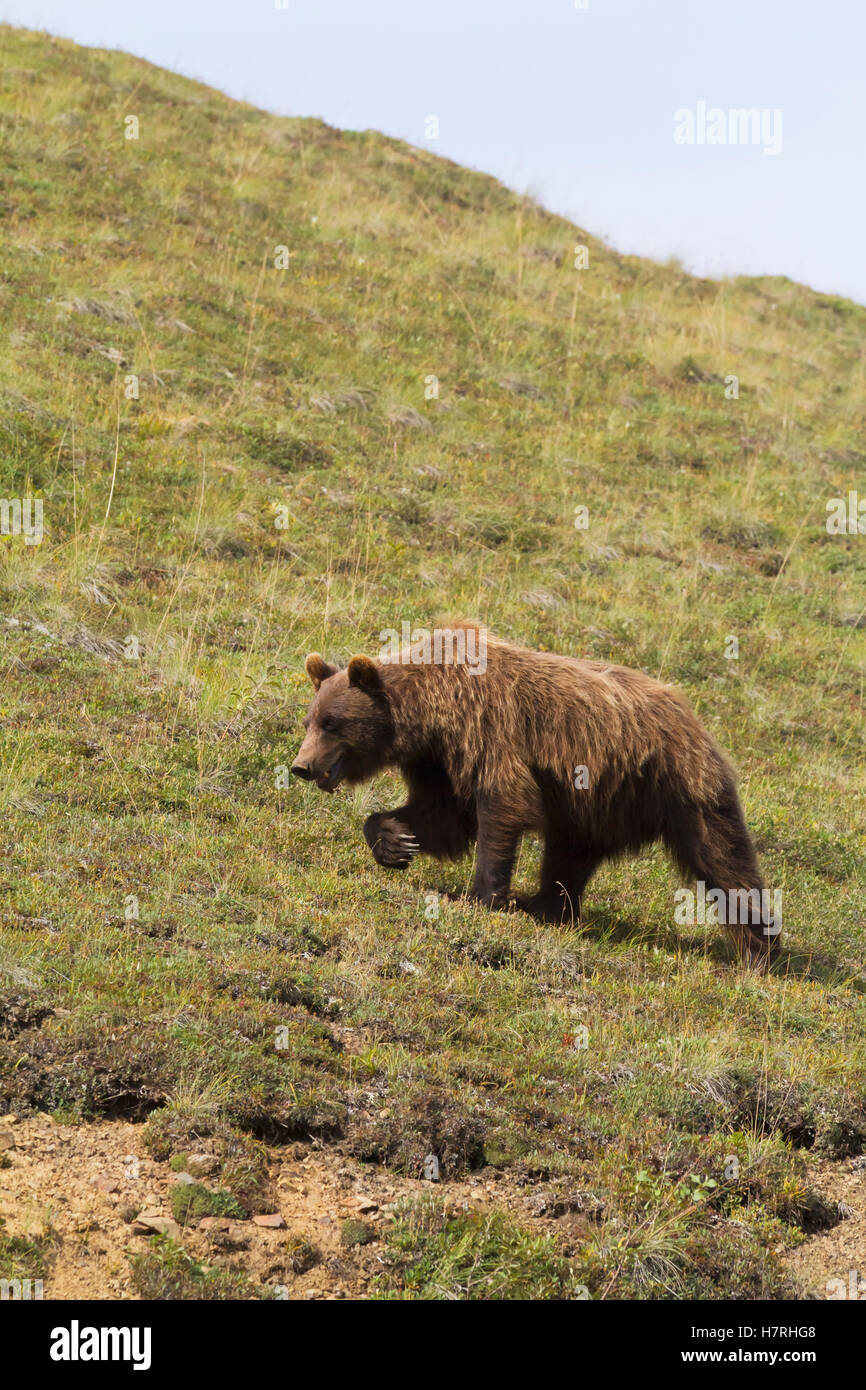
{"x":565,"y":872}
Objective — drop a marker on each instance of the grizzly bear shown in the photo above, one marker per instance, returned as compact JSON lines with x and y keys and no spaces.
{"x":598,"y":759}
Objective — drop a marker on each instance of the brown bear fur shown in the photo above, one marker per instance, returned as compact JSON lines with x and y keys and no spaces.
{"x":488,"y":756}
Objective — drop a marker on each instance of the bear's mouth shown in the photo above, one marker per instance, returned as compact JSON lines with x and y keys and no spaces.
{"x":330,"y":780}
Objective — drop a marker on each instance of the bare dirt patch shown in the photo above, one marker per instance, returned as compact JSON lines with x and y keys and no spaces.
{"x":81,"y":1187}
{"x":835,"y":1253}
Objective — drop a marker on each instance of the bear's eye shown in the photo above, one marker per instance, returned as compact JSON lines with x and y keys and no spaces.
{"x":330,"y":725}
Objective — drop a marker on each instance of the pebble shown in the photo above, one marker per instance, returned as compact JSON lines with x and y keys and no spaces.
{"x":146,"y":1222}
{"x":103,"y":1184}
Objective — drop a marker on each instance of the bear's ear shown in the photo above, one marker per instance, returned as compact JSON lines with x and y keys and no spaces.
{"x":317,"y":669}
{"x":365,"y":673}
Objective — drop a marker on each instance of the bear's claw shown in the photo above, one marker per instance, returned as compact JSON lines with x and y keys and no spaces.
{"x":394,"y":846}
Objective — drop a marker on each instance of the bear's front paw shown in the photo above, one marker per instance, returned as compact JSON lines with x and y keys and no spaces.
{"x":393,"y":844}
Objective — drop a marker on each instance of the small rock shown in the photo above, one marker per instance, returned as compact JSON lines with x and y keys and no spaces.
{"x":184,"y":1178}
{"x":366,"y":1204}
{"x":146,"y":1215}
{"x":431,"y":1168}
{"x":273,"y":1221}
{"x":214,"y":1223}
{"x":163,"y":1225}
{"x":202,"y":1165}
{"x":7,"y":1139}
{"x":106,"y":1185}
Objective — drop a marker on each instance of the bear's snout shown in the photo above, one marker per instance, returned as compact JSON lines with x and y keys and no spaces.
{"x":327,"y":771}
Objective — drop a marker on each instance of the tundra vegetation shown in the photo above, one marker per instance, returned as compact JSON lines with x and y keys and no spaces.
{"x":241,"y":458}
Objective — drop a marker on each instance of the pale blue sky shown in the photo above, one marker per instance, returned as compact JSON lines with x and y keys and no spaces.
{"x":575,"y":106}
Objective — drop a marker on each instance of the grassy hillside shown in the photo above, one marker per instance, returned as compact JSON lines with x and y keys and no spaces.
{"x":282,"y":483}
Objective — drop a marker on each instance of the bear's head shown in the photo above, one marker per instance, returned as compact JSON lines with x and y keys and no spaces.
{"x":349,"y":727}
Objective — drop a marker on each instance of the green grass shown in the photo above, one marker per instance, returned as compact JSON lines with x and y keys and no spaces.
{"x":436,"y":1255}
{"x":23,"y":1257}
{"x":184,"y":939}
{"x":191,"y":1201}
{"x":166,"y":1271}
